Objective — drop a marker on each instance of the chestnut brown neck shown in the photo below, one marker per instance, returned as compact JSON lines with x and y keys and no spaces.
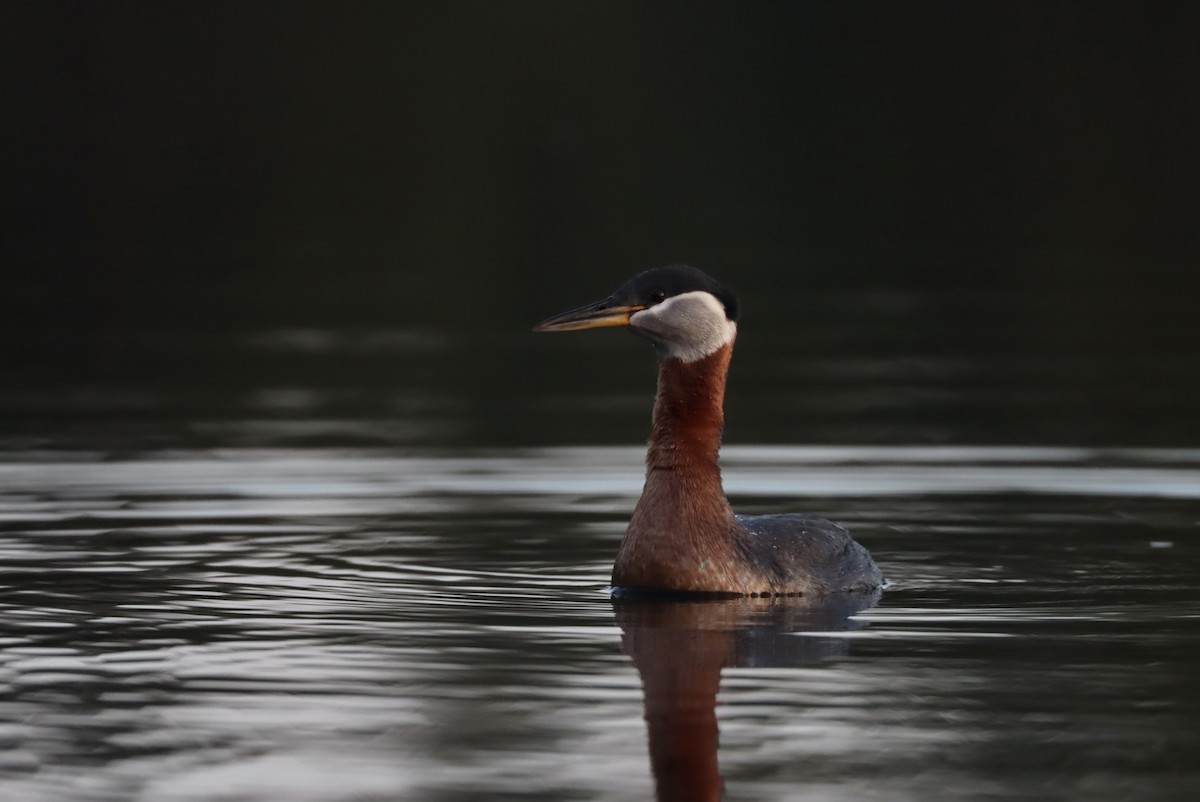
{"x":689,"y":414}
{"x":679,"y":535}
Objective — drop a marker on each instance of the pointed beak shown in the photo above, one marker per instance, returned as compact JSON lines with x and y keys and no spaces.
{"x":597,"y":315}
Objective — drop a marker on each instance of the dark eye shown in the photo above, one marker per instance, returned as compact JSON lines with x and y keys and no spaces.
{"x":657,"y":296}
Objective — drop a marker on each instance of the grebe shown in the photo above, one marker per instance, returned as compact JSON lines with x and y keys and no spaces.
{"x":683,"y":536}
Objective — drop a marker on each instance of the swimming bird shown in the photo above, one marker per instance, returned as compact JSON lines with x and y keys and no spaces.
{"x":683,"y":536}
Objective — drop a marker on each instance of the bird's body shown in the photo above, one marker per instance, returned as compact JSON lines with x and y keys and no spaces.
{"x":683,"y":536}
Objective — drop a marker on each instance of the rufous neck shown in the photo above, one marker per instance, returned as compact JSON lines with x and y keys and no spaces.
{"x":689,"y":411}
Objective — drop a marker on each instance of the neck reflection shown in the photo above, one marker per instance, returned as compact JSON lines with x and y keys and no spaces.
{"x":680,"y":649}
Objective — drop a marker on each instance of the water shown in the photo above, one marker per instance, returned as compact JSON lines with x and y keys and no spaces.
{"x":350,"y":624}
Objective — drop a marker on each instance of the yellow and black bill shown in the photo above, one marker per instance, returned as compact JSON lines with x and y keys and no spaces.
{"x":596,"y":315}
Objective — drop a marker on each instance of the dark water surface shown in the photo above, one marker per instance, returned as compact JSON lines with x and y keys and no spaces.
{"x":341,"y":624}
{"x":367,"y":564}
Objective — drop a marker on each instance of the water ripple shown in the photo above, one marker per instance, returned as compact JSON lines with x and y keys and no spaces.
{"x":247,"y":624}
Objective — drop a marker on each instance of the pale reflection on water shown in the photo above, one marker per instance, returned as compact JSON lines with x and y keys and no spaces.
{"x":348,"y":625}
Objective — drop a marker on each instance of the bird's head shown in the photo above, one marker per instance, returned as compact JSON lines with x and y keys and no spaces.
{"x":684,"y":312}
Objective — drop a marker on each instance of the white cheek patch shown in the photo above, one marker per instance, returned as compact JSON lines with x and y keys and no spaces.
{"x":688,"y":327}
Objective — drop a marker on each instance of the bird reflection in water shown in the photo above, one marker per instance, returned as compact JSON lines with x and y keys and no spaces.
{"x":680,"y":648}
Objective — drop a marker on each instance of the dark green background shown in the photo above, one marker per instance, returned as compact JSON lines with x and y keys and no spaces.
{"x":947,"y":222}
